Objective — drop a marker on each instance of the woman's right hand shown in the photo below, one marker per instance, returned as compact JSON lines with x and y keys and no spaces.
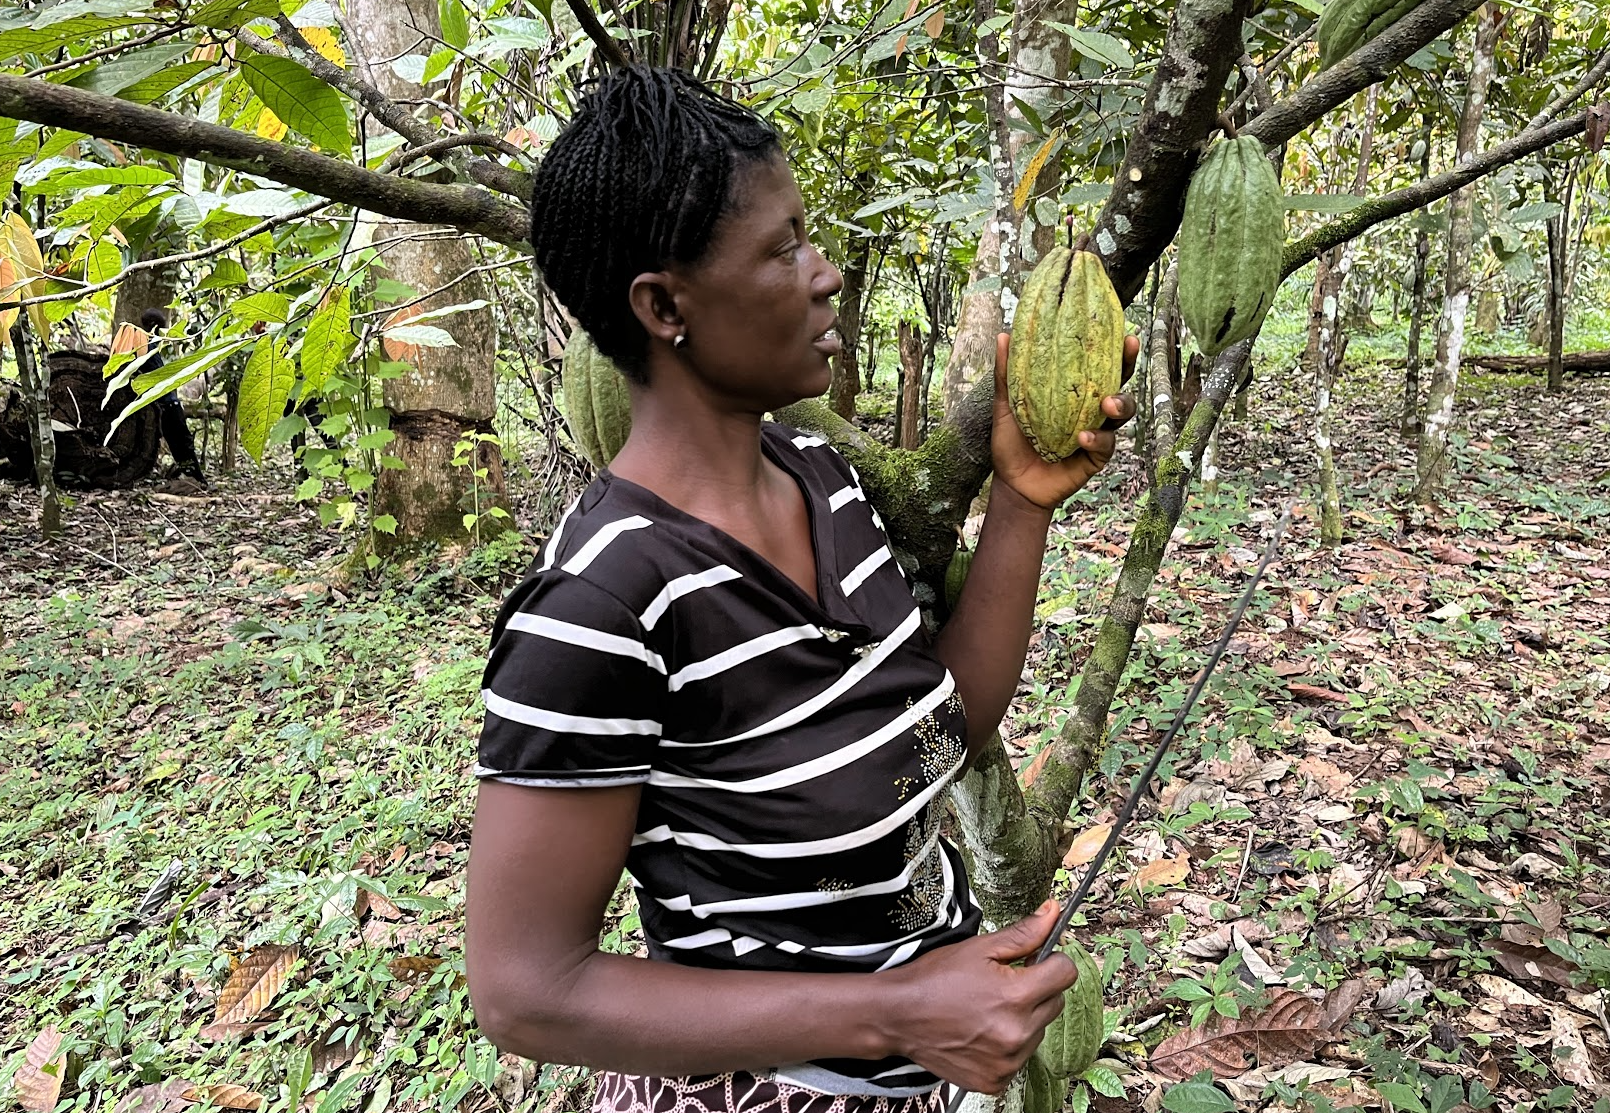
{"x":966,"y":1014}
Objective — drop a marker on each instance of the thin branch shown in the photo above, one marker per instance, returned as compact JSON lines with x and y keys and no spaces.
{"x":172,"y":260}
{"x":115,"y":48}
{"x":402,"y":156}
{"x":595,"y":31}
{"x":465,"y":207}
{"x":1424,"y":192}
{"x":1594,"y":75}
{"x":1359,"y":70}
{"x":388,"y":310}
{"x":1270,"y":66}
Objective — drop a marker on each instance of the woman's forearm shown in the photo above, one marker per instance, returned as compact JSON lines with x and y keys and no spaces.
{"x":987,"y":637}
{"x":656,"y":1018}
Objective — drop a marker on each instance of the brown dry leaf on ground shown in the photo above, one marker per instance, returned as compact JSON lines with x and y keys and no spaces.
{"x":1085,"y":845}
{"x":158,"y":1097}
{"x":1164,"y":871}
{"x":38,"y":1081}
{"x":1523,"y":961}
{"x":226,"y":1095}
{"x":1285,"y":1030}
{"x":254,"y":983}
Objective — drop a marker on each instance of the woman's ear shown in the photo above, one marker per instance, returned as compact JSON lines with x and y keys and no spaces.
{"x":653,"y":298}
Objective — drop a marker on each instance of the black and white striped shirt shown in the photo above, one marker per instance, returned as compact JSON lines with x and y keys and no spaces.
{"x":793,"y":755}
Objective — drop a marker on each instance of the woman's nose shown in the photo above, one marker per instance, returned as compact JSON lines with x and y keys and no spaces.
{"x":828,"y":281}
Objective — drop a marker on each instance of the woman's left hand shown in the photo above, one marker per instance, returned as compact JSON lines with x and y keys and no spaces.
{"x":1046,"y":484}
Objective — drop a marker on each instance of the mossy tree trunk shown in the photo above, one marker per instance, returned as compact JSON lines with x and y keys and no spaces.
{"x":446,"y":392}
{"x":35,"y":375}
{"x":846,"y":366}
{"x":1409,"y":425}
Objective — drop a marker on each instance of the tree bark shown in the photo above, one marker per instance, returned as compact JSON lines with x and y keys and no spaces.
{"x":1431,"y":464}
{"x":910,"y":385}
{"x":447,"y":391}
{"x":1575,"y":363}
{"x":35,"y":375}
{"x":1409,"y":424}
{"x":1556,"y":303}
{"x":846,"y":366}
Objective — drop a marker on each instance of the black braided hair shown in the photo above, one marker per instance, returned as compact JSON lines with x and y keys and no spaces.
{"x":153,"y":320}
{"x":637,"y":180}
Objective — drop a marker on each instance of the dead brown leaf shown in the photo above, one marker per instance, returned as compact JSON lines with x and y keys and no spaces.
{"x":38,"y":1081}
{"x":254,"y":982}
{"x":1085,"y":845}
{"x":408,"y":967}
{"x":220,"y":1031}
{"x":1164,"y":871}
{"x":1286,"y":1030}
{"x":226,"y":1095}
{"x":158,"y":1097}
{"x":1453,"y":554}
{"x":1313,"y":691}
{"x":1521,"y":960}
{"x":1032,"y":771}
{"x":331,"y":1054}
{"x":1340,"y":1003}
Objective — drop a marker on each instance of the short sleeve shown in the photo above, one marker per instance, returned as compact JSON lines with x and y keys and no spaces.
{"x":572,"y":691}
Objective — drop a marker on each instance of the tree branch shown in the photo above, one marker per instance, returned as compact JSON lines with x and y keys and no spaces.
{"x":115,"y":48}
{"x":1143,"y":213}
{"x":1359,"y":70}
{"x":465,"y":207}
{"x":595,"y":31}
{"x":1594,"y":75}
{"x":1424,"y":192}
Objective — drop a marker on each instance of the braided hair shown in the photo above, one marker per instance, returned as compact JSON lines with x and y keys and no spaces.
{"x":637,"y":180}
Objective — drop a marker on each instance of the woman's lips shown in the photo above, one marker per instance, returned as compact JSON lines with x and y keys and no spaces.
{"x":829,"y":343}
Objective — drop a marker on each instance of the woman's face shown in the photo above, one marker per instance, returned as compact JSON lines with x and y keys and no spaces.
{"x":758,"y":309}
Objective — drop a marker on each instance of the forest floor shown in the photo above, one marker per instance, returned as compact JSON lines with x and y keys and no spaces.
{"x":1379,"y":842}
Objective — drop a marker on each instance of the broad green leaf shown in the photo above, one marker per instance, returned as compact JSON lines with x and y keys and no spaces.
{"x":57,"y":142}
{"x":12,"y":154}
{"x":1197,"y":1097}
{"x":154,"y":384}
{"x":886,"y":203}
{"x":1324,"y":202}
{"x":435,"y":66}
{"x":266,"y":306}
{"x":993,"y":25}
{"x":511,"y":33}
{"x":301,"y":1070}
{"x":1406,"y":1098}
{"x":306,"y":104}
{"x":159,"y":85}
{"x":226,"y":15}
{"x":227,"y":273}
{"x":47,"y":40}
{"x":385,"y":524}
{"x":1104,"y":1081}
{"x":455,"y":24}
{"x":315,"y":13}
{"x":421,"y":336}
{"x":264,"y":387}
{"x":112,"y":77}
{"x":1097,"y":46}
{"x":104,"y":175}
{"x":1534,"y":213}
{"x":78,"y":9}
{"x":103,"y":262}
{"x":329,"y":339}
{"x":264,"y":202}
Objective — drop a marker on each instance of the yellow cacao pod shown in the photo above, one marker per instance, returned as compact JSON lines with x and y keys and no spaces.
{"x":1073,"y":1038}
{"x":598,"y":408}
{"x":1067,"y":351}
{"x":1230,"y":244}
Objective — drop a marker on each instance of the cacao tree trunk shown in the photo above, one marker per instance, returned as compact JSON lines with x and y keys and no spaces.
{"x":911,"y":363}
{"x":1409,"y":424}
{"x":1556,"y":303}
{"x":35,"y":375}
{"x":846,"y":365}
{"x":147,"y":289}
{"x":1432,"y":462}
{"x":447,"y":391}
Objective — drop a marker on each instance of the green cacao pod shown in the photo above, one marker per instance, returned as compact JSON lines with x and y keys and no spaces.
{"x":1346,"y":25}
{"x":1073,"y":1038}
{"x":1067,"y":351}
{"x":1230,"y":244}
{"x":1043,"y":1092}
{"x":598,"y":408}
{"x":956,"y":575}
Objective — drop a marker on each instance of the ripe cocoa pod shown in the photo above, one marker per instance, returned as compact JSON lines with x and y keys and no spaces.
{"x":598,"y":409}
{"x":1346,"y":25}
{"x":1073,"y":1038}
{"x":961,"y":562}
{"x":1230,"y":244}
{"x":1067,"y":351}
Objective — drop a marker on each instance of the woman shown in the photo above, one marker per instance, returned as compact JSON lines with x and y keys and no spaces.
{"x":716,"y":677}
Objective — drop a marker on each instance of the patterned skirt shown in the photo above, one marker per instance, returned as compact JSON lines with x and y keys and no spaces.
{"x":741,"y":1092}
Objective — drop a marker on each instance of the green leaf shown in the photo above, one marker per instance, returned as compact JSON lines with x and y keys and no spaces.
{"x":1402,"y":1096}
{"x":376,"y":439}
{"x":309,"y":488}
{"x":1097,"y":46}
{"x":103,"y":175}
{"x":151,"y":385}
{"x":301,"y":1072}
{"x":421,"y":336}
{"x":1447,"y":1092}
{"x":307,"y":105}
{"x":263,"y":390}
{"x":455,"y":23}
{"x":512,"y":33}
{"x":227,"y":273}
{"x":226,"y":15}
{"x":103,"y":261}
{"x":266,"y":306}
{"x":112,"y":77}
{"x":385,"y":524}
{"x":1324,"y":202}
{"x":329,"y":339}
{"x":1197,"y":1097}
{"x":47,"y":40}
{"x":159,"y":85}
{"x":1105,"y":1081}
{"x":264,"y":202}
{"x":1535,"y":213}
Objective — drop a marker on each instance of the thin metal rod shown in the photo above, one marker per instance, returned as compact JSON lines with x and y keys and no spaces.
{"x":1139,"y":787}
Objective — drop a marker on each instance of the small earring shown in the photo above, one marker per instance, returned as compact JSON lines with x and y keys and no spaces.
{"x":680,"y":341}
